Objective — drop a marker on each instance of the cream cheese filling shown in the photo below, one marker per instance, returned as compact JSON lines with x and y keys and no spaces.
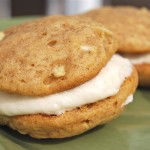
{"x":107,"y":83}
{"x":139,"y":58}
{"x":128,"y":100}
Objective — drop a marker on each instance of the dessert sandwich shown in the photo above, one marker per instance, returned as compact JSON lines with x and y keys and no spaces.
{"x":132,"y":28}
{"x":60,"y":76}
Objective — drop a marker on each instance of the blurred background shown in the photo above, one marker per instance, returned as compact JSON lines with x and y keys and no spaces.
{"x":12,"y":8}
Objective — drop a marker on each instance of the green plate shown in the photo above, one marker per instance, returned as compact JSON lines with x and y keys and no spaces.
{"x":131,"y":131}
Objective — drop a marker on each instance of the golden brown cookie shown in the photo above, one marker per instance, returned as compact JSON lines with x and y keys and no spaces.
{"x":130,"y":24}
{"x":53,"y":54}
{"x":144,"y":74}
{"x":75,"y":121}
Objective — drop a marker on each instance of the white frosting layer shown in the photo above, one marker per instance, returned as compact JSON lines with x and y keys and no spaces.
{"x":128,"y":100}
{"x":139,"y":58}
{"x":106,"y":83}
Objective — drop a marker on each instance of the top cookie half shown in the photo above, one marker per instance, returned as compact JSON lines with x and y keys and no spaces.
{"x":53,"y":54}
{"x":130,"y":24}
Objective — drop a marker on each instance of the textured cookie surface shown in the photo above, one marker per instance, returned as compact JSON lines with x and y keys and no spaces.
{"x":130,"y":24}
{"x":53,"y":54}
{"x":76,"y":121}
{"x":144,"y":74}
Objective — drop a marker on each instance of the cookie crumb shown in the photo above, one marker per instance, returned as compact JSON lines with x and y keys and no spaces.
{"x":2,"y":35}
{"x":88,"y":48}
{"x":59,"y":71}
